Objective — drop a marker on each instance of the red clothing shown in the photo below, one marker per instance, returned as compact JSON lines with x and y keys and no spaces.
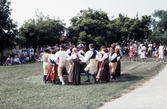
{"x":51,"y":75}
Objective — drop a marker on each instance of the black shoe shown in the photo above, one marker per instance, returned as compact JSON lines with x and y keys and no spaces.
{"x":95,"y":82}
{"x":87,"y":81}
{"x":69,"y":83}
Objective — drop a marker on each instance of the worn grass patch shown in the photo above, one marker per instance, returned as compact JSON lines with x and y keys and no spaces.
{"x":21,"y":86}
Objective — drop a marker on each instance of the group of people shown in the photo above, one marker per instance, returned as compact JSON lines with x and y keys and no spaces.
{"x":134,"y":50}
{"x":17,"y":55}
{"x":103,"y":65}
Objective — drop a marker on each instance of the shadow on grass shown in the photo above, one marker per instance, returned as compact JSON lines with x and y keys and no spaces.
{"x":128,"y":77}
{"x":122,"y":78}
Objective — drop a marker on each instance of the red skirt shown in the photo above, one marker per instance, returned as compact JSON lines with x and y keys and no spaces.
{"x":52,"y":73}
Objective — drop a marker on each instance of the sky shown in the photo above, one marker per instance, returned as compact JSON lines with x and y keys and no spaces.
{"x":22,"y":10}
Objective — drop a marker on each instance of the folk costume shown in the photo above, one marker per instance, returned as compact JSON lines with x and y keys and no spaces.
{"x":92,"y":65}
{"x":81,"y":52}
{"x":104,"y":71}
{"x":52,"y":69}
{"x":113,"y":64}
{"x":45,"y":57}
{"x":74,"y":76}
{"x":61,"y":56}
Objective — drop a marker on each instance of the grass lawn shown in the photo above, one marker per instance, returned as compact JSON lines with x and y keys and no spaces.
{"x":21,"y":87}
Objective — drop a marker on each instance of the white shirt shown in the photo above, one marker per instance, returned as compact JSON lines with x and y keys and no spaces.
{"x":68,"y":51}
{"x":51,"y":57}
{"x":89,"y":53}
{"x":61,"y":56}
{"x":17,"y":60}
{"x":114,"y":55}
{"x":81,"y":52}
{"x":106,"y":55}
{"x":74,"y":56}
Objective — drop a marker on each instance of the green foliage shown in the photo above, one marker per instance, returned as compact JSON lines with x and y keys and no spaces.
{"x":90,"y":27}
{"x":42,"y":31}
{"x":8,"y":29}
{"x":159,"y":27}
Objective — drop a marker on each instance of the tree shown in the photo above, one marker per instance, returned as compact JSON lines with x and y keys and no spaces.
{"x":132,"y":28}
{"x":159,"y":33}
{"x":92,"y":26}
{"x":42,"y":31}
{"x":8,"y":29}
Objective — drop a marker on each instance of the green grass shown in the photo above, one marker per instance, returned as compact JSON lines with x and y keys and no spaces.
{"x":21,"y":86}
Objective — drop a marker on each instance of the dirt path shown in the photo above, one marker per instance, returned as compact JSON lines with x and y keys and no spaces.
{"x":151,"y":95}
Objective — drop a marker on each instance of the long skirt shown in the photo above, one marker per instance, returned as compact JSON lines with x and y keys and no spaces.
{"x":98,"y":66}
{"x":104,"y":72}
{"x":76,"y":73}
{"x":70,"y":72}
{"x":52,"y":74}
{"x":118,"y":69}
{"x":82,"y":66}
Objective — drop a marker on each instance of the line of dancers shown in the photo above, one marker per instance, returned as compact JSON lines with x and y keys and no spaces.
{"x":102,"y":65}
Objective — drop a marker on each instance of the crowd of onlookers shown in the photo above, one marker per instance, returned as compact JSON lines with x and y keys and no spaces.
{"x":130,"y":50}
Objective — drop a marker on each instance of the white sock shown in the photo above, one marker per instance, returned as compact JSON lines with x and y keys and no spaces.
{"x":61,"y":80}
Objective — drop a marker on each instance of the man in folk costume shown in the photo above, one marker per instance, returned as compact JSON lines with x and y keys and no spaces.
{"x":92,"y":66}
{"x":61,"y":56}
{"x":45,"y":63}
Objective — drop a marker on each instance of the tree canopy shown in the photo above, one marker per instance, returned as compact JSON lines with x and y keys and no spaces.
{"x":8,"y":29}
{"x":41,"y":31}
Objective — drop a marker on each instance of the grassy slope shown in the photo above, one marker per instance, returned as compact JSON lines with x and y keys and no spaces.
{"x":21,"y":86}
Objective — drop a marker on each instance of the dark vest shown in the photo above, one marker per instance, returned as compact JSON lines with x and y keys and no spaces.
{"x":94,"y":54}
{"x":114,"y":60}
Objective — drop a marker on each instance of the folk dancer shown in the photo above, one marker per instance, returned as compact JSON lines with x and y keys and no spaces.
{"x":113,"y":62}
{"x":104,"y":73}
{"x":61,"y":56}
{"x":76,"y":58}
{"x":45,"y":57}
{"x":52,"y":68}
{"x":92,"y":66}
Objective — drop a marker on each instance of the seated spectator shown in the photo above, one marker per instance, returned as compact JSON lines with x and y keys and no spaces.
{"x":7,"y":62}
{"x":23,"y":59}
{"x":16,"y":60}
{"x":27,"y":58}
{"x":31,"y":54}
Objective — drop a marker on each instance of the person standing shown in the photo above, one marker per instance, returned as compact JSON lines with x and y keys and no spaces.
{"x":92,"y":66}
{"x":61,"y":56}
{"x":143,"y":53}
{"x":161,"y":52}
{"x":135,"y":46}
{"x":45,"y":57}
{"x":131,"y":52}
